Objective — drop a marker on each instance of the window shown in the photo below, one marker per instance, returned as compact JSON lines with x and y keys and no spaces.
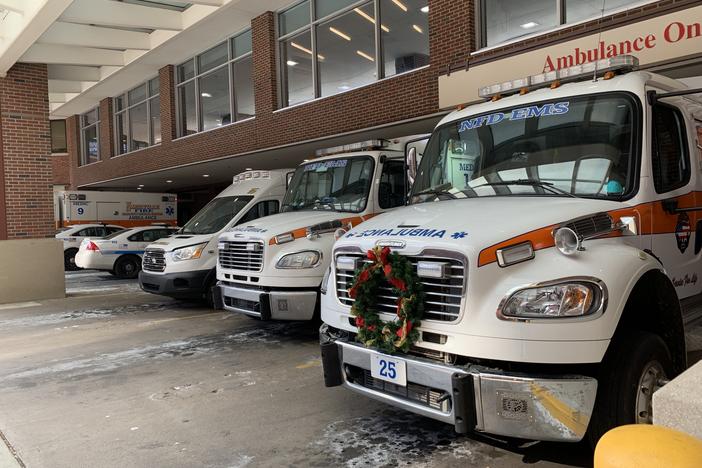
{"x":259,"y":210}
{"x":90,"y":137}
{"x":58,"y":136}
{"x":391,"y":190}
{"x":330,"y":46}
{"x":216,"y":87}
{"x":137,"y":122}
{"x":671,"y":160}
{"x":504,"y":20}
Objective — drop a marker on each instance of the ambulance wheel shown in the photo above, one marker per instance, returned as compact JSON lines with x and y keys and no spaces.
{"x":635,"y":367}
{"x":208,"y":296}
{"x":69,"y":260}
{"x":127,"y":267}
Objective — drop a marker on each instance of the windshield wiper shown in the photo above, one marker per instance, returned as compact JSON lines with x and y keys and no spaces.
{"x":438,"y":191}
{"x":530,"y":183}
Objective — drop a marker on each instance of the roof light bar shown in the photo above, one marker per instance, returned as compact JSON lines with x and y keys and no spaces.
{"x":367,"y":145}
{"x":623,"y":63}
{"x":249,"y":175}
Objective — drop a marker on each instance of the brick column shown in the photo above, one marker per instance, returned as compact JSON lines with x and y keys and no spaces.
{"x":107,"y":136}
{"x":265,"y":71}
{"x":451,"y":32}
{"x":167,"y":101}
{"x":73,"y":147}
{"x":25,"y":150}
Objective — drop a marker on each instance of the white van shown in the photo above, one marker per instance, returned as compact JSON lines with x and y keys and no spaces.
{"x":183,"y":265}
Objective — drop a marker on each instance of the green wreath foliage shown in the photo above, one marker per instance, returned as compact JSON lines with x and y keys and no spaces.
{"x":387,"y":267}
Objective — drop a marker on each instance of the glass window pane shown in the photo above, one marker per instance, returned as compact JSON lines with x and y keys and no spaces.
{"x":294,"y":18}
{"x":243,"y":88}
{"x":405,"y":35}
{"x":241,"y":44}
{"x":346,"y":50}
{"x":578,"y":10}
{"x":155,"y":108}
{"x":297,"y":63}
{"x":509,"y":19}
{"x":213,"y":57}
{"x":327,"y":7}
{"x":122,"y":145}
{"x":154,"y":86}
{"x":186,"y":71}
{"x":90,"y":117}
{"x":138,"y":127}
{"x":214,"y":99}
{"x":91,"y":152}
{"x":118,"y":103}
{"x":186,"y":109}
{"x":58,"y":136}
{"x":137,"y":94}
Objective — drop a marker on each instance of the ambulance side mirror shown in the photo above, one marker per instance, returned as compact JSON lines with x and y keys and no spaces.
{"x":412,"y":164}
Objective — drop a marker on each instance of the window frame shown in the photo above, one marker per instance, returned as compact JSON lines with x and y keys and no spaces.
{"x":481,"y":29}
{"x":65,"y":136}
{"x":311,"y":27}
{"x":195,"y":79}
{"x":84,"y":157}
{"x":685,"y":147}
{"x":149,"y":97}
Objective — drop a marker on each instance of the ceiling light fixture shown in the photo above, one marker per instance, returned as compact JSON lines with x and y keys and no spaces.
{"x":205,"y":175}
{"x":249,"y":169}
{"x":344,"y":87}
{"x":339,"y":33}
{"x":529,"y":25}
{"x":305,"y":49}
{"x":417,"y":28}
{"x":169,"y":181}
{"x":370,"y":18}
{"x":205,"y":95}
{"x":424,"y":9}
{"x":291,"y":63}
{"x":138,"y":188}
{"x":365,"y":55}
{"x":141,"y":185}
{"x":400,"y":5}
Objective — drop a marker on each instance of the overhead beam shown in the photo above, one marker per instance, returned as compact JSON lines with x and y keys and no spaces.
{"x":36,"y":18}
{"x":69,"y":86}
{"x":17,"y":6}
{"x":72,"y":34}
{"x":207,"y":2}
{"x":124,"y":15}
{"x":73,"y":73}
{"x":70,"y":55}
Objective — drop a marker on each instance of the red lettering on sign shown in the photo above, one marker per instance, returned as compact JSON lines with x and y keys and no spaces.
{"x":674,"y":32}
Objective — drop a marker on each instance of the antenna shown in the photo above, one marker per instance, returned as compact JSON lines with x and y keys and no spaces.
{"x":599,"y":37}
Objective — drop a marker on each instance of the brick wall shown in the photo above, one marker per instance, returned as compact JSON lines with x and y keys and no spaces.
{"x":60,"y":169}
{"x":25,"y":147}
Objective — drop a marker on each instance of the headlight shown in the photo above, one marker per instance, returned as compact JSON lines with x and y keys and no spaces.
{"x":323,"y":287}
{"x":190,"y":252}
{"x":567,"y":299}
{"x":305,"y":259}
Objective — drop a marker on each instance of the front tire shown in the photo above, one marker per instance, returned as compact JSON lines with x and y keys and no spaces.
{"x":635,"y":367}
{"x":127,"y":267}
{"x":69,"y":260}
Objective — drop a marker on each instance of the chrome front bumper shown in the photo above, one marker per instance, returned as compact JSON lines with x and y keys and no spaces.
{"x":269,"y":304}
{"x":472,"y":398}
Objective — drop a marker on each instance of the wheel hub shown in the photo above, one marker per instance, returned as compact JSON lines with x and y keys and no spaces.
{"x":652,"y":378}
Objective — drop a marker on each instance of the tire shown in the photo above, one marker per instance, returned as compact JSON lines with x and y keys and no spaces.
{"x":69,"y":260}
{"x":209,"y":292}
{"x":635,"y":366}
{"x":127,"y":267}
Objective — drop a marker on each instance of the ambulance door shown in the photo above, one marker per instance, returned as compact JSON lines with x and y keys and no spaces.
{"x":676,"y":180}
{"x":107,"y":211}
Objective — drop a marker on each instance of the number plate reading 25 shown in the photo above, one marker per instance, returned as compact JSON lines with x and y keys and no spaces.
{"x":389,"y":369}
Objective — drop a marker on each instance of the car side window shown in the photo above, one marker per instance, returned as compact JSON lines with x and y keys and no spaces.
{"x":671,"y":157}
{"x":259,"y":210}
{"x":137,"y":237}
{"x":87,"y":232}
{"x":392,"y":185}
{"x":112,"y":230}
{"x":101,"y":231}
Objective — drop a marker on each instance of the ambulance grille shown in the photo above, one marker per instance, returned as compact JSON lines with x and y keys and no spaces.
{"x":592,"y":225}
{"x":241,"y":255}
{"x":442,"y":296}
{"x":154,"y":260}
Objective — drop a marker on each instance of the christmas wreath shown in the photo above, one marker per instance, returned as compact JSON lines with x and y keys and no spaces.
{"x":386,"y":267}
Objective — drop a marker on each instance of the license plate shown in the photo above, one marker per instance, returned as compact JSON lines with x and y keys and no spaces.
{"x":390,"y":369}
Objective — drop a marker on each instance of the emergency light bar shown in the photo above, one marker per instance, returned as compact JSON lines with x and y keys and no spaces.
{"x":249,"y":175}
{"x":622,"y":63}
{"x":367,"y":145}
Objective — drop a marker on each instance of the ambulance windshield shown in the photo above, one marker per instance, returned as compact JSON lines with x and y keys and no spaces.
{"x":215,"y":215}
{"x":332,"y":184}
{"x":579,"y":146}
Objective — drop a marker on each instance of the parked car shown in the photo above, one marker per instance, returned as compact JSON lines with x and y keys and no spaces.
{"x":72,"y":236}
{"x":120,"y":253}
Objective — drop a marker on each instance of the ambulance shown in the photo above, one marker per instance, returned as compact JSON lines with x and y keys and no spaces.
{"x":557,"y":232}
{"x":272,"y":268}
{"x":183,"y":265}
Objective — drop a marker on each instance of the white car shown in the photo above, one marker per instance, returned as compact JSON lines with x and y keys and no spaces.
{"x":72,"y":236}
{"x":120,"y":253}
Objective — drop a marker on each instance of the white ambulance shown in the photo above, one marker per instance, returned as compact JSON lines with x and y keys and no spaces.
{"x":272,"y":268}
{"x":183,"y":265}
{"x":557,"y":232}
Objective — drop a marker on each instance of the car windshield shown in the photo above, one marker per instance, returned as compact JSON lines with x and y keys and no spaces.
{"x":579,"y":146}
{"x":115,"y":234}
{"x":215,"y":215}
{"x":333,"y":184}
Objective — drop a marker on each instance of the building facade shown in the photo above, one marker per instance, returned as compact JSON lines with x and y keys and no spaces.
{"x":308,"y":75}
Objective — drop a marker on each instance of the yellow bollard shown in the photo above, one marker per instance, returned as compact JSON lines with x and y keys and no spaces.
{"x":648,"y":446}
